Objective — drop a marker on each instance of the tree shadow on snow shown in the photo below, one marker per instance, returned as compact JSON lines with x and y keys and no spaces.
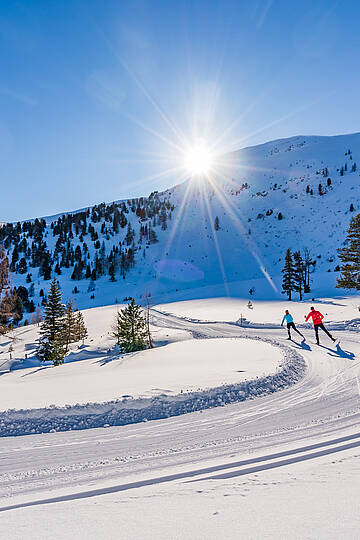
{"x":36,"y":370}
{"x":330,"y":302}
{"x":339,"y":352}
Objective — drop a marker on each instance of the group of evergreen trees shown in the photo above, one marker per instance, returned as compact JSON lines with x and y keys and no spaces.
{"x":296,"y":273}
{"x":74,"y":233}
{"x":60,"y":326}
{"x":14,"y":301}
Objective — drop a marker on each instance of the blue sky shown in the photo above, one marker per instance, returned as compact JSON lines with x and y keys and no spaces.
{"x":98,"y":97}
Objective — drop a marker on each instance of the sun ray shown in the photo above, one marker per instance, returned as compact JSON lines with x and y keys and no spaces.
{"x":217,"y":247}
{"x":233,"y":211}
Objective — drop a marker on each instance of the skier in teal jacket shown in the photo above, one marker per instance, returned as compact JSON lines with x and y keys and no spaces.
{"x":290,"y":324}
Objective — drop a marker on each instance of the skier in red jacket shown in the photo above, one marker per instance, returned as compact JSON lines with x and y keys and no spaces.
{"x":317,"y":318}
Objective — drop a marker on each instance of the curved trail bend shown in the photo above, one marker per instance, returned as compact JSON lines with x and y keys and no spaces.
{"x":318,"y":416}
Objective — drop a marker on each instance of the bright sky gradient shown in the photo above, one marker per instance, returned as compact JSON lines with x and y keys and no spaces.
{"x":94,"y":93}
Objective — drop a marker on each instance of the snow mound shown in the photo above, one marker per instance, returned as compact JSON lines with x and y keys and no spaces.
{"x":130,"y":410}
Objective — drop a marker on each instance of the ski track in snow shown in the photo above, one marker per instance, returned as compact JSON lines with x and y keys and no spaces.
{"x":316,"y":417}
{"x":130,"y":411}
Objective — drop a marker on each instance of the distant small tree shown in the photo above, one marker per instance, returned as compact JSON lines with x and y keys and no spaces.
{"x":130,"y":329}
{"x":280,"y":216}
{"x":329,"y":182}
{"x":147,"y":296}
{"x":351,"y":207}
{"x":69,"y":325}
{"x":217,"y":224}
{"x":80,"y":330}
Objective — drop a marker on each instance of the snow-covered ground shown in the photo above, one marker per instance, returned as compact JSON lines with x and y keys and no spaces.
{"x":284,"y":465}
{"x":336,"y":309}
{"x":169,"y":370}
{"x":98,"y":386}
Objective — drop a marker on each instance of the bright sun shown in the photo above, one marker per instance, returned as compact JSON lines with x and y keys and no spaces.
{"x":199,"y":160}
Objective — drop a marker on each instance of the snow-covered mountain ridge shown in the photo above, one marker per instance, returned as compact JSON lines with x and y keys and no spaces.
{"x":295,"y":193}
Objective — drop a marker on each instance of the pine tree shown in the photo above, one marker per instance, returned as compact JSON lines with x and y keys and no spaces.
{"x":217,"y":223}
{"x":130,"y":329}
{"x":299,"y":273}
{"x":288,"y":271}
{"x":350,"y":255}
{"x":51,"y":342}
{"x":69,"y":325}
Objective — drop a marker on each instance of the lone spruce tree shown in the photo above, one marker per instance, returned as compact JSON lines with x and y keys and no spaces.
{"x":129,"y":328}
{"x":350,"y":256}
{"x":51,"y":344}
{"x":288,"y":283}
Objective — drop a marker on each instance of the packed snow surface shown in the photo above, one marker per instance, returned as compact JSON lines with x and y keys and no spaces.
{"x":285,"y":465}
{"x":178,"y":367}
{"x":341,"y":308}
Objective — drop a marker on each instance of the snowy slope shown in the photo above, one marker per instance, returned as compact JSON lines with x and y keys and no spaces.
{"x":247,"y":195}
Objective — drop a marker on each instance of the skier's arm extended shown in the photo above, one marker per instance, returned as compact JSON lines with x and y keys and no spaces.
{"x":282,"y":322}
{"x":308,"y":317}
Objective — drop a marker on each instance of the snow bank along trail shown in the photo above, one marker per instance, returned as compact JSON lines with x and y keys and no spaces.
{"x":188,"y":376}
{"x":315,"y":418}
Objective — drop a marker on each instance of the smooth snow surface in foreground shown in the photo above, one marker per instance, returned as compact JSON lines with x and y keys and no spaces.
{"x":285,"y":465}
{"x":179,"y":367}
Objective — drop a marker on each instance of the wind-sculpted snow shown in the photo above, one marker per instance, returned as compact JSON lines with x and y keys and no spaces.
{"x":129,"y":410}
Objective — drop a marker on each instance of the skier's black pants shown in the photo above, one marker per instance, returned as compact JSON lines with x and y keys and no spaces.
{"x":316,"y":328}
{"x":292,"y":325}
